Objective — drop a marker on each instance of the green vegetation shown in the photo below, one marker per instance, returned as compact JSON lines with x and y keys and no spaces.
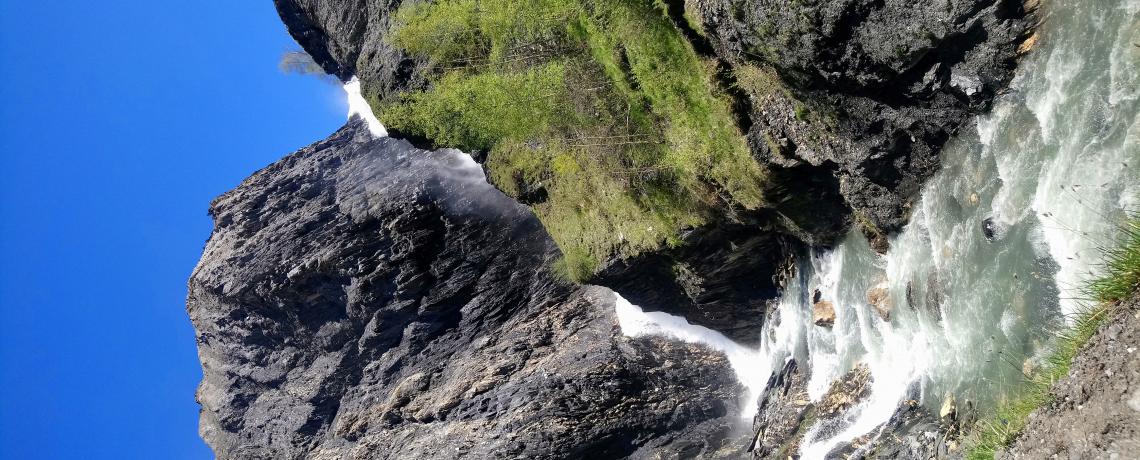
{"x":1121,"y":266}
{"x":300,"y":63}
{"x":760,"y":82}
{"x":603,"y":104}
{"x":1118,"y":282}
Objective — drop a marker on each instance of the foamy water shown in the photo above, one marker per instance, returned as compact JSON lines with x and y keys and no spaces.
{"x":745,"y":361}
{"x":358,"y":106}
{"x":1053,"y":165}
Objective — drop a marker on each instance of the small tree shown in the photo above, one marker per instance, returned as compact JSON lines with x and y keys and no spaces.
{"x":299,"y":62}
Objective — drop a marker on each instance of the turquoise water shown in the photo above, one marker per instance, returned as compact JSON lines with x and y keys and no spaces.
{"x":1053,"y":165}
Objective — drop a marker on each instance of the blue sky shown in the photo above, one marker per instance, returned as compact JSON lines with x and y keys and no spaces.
{"x":119,"y":122}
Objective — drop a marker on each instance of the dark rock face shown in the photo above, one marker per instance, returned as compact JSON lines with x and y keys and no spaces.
{"x":875,"y":87}
{"x":348,"y":38}
{"x":871,"y":91}
{"x":361,"y":298}
{"x":716,"y":279}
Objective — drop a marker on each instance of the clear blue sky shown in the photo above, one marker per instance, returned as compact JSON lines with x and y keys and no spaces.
{"x":121,"y":120}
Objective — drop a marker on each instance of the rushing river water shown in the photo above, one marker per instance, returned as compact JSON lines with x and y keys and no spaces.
{"x":1051,"y":168}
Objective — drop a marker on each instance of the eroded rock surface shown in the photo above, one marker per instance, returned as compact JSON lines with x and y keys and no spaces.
{"x":872,"y":89}
{"x":781,"y":414}
{"x":361,"y":298}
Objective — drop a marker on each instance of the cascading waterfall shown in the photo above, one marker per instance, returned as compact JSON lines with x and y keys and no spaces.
{"x":358,"y":106}
{"x":637,"y":323}
{"x":1049,"y":171}
{"x":997,"y":245}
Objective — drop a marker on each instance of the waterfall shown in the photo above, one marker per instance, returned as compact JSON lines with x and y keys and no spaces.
{"x":358,"y":106}
{"x":748,"y":364}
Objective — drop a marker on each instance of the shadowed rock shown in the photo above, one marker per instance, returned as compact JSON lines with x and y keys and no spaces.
{"x":361,"y":298}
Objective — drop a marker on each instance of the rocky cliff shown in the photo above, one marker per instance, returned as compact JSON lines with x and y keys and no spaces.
{"x":845,"y":102}
{"x":362,"y":298}
{"x":366,"y":298}
{"x":870,"y":89}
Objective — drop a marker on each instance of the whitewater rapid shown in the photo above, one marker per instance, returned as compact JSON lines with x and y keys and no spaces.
{"x":1053,"y":166}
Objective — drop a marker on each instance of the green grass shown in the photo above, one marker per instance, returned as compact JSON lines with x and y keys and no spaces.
{"x":1121,"y":266}
{"x":603,"y":104}
{"x":1120,"y":279}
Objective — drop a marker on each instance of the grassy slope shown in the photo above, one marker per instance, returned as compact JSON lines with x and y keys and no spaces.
{"x":1119,"y":281}
{"x":604,"y":105}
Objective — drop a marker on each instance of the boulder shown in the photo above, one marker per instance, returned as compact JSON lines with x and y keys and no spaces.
{"x":947,"y":407}
{"x":823,"y":314}
{"x":879,"y":296}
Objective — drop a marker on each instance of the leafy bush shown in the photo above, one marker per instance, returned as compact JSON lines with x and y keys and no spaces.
{"x":602,"y":104}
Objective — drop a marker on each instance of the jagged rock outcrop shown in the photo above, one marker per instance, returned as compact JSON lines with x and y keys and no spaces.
{"x":361,"y":298}
{"x":863,"y":91}
{"x":782,"y":411}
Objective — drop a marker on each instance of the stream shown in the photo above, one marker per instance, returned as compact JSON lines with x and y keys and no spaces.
{"x":999,"y":241}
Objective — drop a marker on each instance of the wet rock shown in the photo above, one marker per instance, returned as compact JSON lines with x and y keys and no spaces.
{"x":846,"y":391}
{"x":912,"y":433}
{"x":823,"y":312}
{"x":988,"y":229}
{"x":879,"y":296}
{"x":935,"y":294}
{"x":947,"y":407}
{"x":781,"y":410}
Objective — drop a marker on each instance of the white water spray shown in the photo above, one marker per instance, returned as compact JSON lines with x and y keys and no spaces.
{"x":357,"y":105}
{"x":745,"y":361}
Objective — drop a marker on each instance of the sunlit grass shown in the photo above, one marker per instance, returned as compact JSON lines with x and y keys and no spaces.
{"x":604,"y":105}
